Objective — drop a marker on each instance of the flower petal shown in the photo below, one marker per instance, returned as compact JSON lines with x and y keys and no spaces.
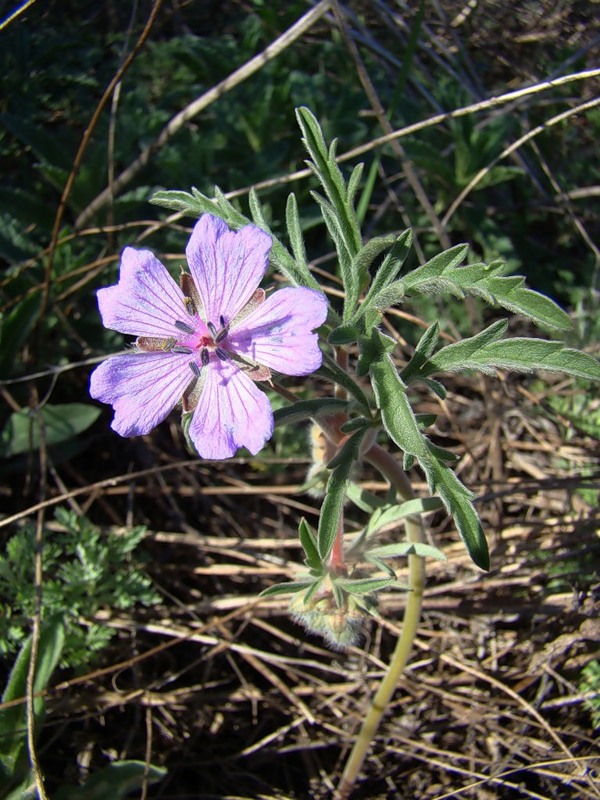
{"x":278,"y":334}
{"x":146,"y":301}
{"x":142,"y":388}
{"x":231,"y":413}
{"x":226,"y":266}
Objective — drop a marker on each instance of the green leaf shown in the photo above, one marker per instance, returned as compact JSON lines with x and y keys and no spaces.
{"x":367,"y":254}
{"x":365,"y":500}
{"x":308,"y":409}
{"x":444,"y":262}
{"x":372,"y":347}
{"x":25,"y":789}
{"x":390,"y":515}
{"x":424,"y":349}
{"x":337,"y":210}
{"x":420,"y":365}
{"x":61,"y":423}
{"x":396,"y":412}
{"x":392,"y":295}
{"x":184,"y":203}
{"x":426,"y":420}
{"x":308,"y":540}
{"x":44,"y":143}
{"x":15,"y":330}
{"x":291,"y":587}
{"x":344,"y":334}
{"x":443,"y":455}
{"x":350,"y":278}
{"x":485,"y":353}
{"x":441,"y":275}
{"x":294,"y":228}
{"x":428,"y":342}
{"x":13,"y":729}
{"x":403,"y":549}
{"x":391,"y":266}
{"x":256,"y":210}
{"x":458,"y":501}
{"x":356,"y":424}
{"x":324,"y":165}
{"x":364,"y":585}
{"x":335,"y":494}
{"x":436,"y":387}
{"x":400,"y":422}
{"x":115,"y":781}
{"x":332,"y":372}
{"x":354,"y":183}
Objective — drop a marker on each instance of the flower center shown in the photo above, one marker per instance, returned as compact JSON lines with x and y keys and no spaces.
{"x":202,"y":343}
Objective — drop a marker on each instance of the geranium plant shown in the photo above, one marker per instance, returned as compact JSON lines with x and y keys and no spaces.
{"x":212,"y":340}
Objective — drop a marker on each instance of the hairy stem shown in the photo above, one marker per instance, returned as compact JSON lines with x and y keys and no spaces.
{"x":391,"y":470}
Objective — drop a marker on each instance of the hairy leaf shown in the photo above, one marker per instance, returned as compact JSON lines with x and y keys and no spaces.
{"x":481,"y":280}
{"x":308,"y":409}
{"x":403,"y":549}
{"x":335,"y":494}
{"x":401,"y":424}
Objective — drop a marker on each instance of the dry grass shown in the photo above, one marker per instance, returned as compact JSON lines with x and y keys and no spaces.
{"x":223,"y":687}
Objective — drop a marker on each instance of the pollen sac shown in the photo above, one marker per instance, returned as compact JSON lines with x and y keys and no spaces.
{"x":184,"y":327}
{"x":190,"y":306}
{"x":212,"y":329}
{"x":222,"y":334}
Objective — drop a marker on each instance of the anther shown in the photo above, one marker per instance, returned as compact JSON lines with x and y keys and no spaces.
{"x":190,"y":306}
{"x":195,"y":368}
{"x":223,"y":354}
{"x":205,"y":358}
{"x":222,"y":334}
{"x":212,"y":329}
{"x":179,"y":348}
{"x":184,"y":327}
{"x":168,"y":344}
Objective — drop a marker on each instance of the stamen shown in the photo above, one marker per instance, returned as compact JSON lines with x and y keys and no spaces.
{"x":223,"y":354}
{"x":205,"y":358}
{"x":222,"y":334}
{"x":222,"y":321}
{"x":190,"y":306}
{"x":184,"y":327}
{"x":212,"y":329}
{"x":179,"y":348}
{"x":195,"y":368}
{"x":168,"y":344}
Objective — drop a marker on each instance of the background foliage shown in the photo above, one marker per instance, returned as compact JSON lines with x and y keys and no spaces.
{"x":537,"y":209}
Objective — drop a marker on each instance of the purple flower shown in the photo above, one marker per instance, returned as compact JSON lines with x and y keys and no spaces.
{"x":206,"y":341}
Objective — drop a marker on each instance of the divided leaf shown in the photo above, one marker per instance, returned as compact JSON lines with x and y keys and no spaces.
{"x":444,"y":275}
{"x":488,"y":351}
{"x":401,"y":424}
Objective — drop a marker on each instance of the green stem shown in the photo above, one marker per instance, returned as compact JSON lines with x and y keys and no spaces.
{"x":390,"y":469}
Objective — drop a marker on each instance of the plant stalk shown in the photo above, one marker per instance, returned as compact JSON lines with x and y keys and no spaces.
{"x":391,"y":470}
